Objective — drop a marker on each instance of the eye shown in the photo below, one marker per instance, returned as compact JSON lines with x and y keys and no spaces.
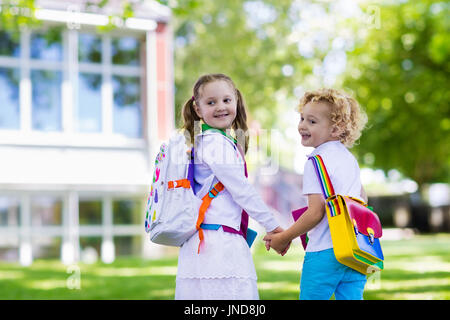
{"x":211,"y":102}
{"x":227,"y":100}
{"x":312,"y":121}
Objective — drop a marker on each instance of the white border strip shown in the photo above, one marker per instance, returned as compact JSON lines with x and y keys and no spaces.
{"x":75,"y":17}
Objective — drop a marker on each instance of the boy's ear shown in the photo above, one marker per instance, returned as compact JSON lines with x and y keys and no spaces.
{"x":336,"y":132}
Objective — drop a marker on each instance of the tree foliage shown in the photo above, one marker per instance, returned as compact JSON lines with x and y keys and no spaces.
{"x":227,"y":37}
{"x":400,"y":73}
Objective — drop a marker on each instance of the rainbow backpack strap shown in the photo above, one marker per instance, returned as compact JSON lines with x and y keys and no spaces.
{"x":325,"y":183}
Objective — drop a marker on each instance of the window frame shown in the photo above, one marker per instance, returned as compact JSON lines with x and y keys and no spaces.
{"x":70,"y":230}
{"x":71,"y":68}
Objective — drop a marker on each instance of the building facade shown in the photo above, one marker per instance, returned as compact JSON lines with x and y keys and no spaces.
{"x":81,"y":115}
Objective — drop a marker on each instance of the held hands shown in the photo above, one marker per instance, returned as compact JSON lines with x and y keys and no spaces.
{"x":276,"y":240}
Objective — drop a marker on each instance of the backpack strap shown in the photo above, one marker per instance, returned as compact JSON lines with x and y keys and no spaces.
{"x":244,"y":215}
{"x":187,"y":182}
{"x":182,"y":183}
{"x":214,"y":191}
{"x":206,"y":201}
{"x":325,"y":183}
{"x":322,"y":175}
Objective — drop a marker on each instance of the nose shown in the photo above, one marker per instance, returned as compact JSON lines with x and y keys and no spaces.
{"x":221,"y":106}
{"x":300,"y":125}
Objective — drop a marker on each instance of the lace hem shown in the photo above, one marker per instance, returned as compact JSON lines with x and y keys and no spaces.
{"x":218,"y":277}
{"x":216,"y":289}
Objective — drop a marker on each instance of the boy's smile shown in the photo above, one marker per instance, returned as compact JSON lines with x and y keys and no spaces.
{"x":315,"y":126}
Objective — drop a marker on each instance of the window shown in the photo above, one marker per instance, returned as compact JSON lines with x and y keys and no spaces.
{"x":8,"y":45}
{"x":9,"y":248}
{"x":90,"y":212}
{"x":126,"y":212}
{"x":46,"y":47}
{"x":46,"y":99}
{"x":9,"y":83}
{"x":89,"y":243}
{"x":125,"y":51}
{"x":89,"y":48}
{"x":127,"y":245}
{"x":89,"y":110}
{"x":9,"y":212}
{"x":46,"y":211}
{"x":9,"y":97}
{"x":47,"y":231}
{"x":127,"y":107}
{"x":89,"y":99}
{"x":105,"y":84}
{"x":46,"y":81}
{"x":46,"y":247}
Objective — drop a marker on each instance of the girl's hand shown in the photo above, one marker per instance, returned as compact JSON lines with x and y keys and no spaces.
{"x":278,"y":242}
{"x":267,"y":242}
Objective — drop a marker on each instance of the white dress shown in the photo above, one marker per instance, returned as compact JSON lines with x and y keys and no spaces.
{"x":224,"y":268}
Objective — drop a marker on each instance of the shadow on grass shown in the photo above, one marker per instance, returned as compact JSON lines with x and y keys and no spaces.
{"x":278,"y":277}
{"x":52,"y":280}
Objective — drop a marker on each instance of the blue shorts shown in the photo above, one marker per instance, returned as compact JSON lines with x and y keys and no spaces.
{"x":323,"y":275}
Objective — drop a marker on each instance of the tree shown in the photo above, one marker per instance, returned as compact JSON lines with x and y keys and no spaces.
{"x":398,"y":70}
{"x":400,"y":73}
{"x":229,"y":37}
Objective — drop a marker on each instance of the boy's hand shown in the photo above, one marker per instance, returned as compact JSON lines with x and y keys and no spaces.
{"x":267,"y":242}
{"x":277,"y":242}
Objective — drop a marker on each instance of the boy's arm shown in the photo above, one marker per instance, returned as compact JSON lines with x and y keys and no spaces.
{"x":311,"y":217}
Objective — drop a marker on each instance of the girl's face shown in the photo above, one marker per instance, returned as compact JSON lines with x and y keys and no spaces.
{"x":315,"y":125}
{"x":217,"y":105}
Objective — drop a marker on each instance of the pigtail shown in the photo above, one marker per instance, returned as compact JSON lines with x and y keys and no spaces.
{"x":190,"y":121}
{"x":240,"y":122}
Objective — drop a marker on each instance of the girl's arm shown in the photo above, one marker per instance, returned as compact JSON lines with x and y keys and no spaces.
{"x":221,"y":157}
{"x":307,"y":221}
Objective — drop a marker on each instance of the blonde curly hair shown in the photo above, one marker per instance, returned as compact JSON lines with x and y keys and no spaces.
{"x":346,"y":113}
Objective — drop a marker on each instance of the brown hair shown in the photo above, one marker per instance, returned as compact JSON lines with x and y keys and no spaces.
{"x":345,"y":112}
{"x":190,"y":117}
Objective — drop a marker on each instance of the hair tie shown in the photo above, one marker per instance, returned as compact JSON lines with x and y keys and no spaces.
{"x":193,"y":98}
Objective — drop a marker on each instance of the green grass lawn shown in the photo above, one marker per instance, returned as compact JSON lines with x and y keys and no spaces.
{"x":418,"y":268}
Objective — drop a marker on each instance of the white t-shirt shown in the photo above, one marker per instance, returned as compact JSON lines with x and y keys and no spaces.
{"x":343,"y":170}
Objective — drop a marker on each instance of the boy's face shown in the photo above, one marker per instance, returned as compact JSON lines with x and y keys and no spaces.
{"x":217,"y":105}
{"x":315,"y":125}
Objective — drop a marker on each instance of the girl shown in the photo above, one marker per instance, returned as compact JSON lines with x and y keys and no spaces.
{"x":220,"y":266}
{"x":330,"y":122}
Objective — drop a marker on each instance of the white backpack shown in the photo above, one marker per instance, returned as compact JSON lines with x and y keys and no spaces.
{"x":172,"y":207}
